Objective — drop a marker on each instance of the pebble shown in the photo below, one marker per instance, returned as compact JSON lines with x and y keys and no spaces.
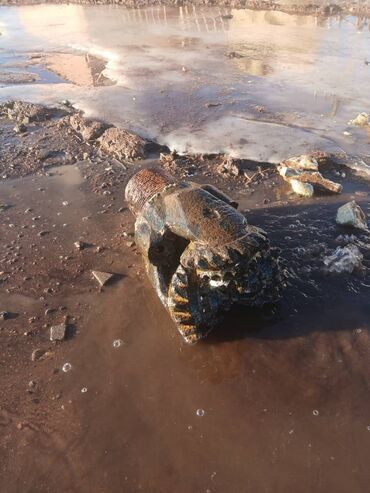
{"x":4,"y":315}
{"x":102,"y":277}
{"x":37,"y":354}
{"x":80,"y":245}
{"x":58,"y":332}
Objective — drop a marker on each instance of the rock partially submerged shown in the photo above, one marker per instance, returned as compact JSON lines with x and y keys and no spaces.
{"x":40,"y":354}
{"x":102,"y":277}
{"x":303,"y":175}
{"x":58,"y":332}
{"x":4,"y":315}
{"x":352,"y":215}
{"x":361,"y":120}
{"x":344,"y":260}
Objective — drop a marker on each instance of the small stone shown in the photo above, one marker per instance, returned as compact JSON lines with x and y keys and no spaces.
{"x":58,"y":332}
{"x":20,"y":129}
{"x":361,"y":120}
{"x":37,"y":354}
{"x":130,"y":243}
{"x":80,"y":245}
{"x":102,"y":277}
{"x":351,"y":214}
{"x":302,"y":189}
{"x":344,"y":260}
{"x":4,"y":315}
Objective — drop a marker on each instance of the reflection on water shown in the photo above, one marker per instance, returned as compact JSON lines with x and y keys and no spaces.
{"x":168,"y":63}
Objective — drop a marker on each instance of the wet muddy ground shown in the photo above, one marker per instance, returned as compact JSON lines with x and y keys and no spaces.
{"x":272,"y":401}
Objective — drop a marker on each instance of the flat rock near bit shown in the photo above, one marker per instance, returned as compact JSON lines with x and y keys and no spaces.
{"x":102,"y":277}
{"x":58,"y":332}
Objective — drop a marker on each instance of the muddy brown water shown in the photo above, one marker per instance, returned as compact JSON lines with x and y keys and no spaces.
{"x":268,"y":403}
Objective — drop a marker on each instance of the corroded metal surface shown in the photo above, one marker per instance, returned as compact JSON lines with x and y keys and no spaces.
{"x":199,"y":251}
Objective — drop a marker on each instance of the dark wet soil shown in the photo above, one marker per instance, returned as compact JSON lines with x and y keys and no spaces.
{"x":272,"y":401}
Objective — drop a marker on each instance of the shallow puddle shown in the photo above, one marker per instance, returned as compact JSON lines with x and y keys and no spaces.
{"x":257,"y":84}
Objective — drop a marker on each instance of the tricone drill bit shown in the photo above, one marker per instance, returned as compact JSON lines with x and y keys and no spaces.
{"x":200,"y":253}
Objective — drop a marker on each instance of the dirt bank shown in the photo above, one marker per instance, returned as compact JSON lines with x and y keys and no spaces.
{"x":325,"y":8}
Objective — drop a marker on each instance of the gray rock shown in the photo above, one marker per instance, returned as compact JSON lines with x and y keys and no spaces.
{"x":352,"y":215}
{"x":344,"y":260}
{"x":58,"y":332}
{"x":102,"y":277}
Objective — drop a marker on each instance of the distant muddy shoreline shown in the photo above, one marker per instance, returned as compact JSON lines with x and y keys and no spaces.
{"x":323,"y":9}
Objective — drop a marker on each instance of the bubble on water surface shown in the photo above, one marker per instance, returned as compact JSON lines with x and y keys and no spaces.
{"x":66,"y":367}
{"x":117,"y":343}
{"x":200,"y":412}
{"x":84,"y":390}
{"x":368,"y":428}
{"x":315,"y":412}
